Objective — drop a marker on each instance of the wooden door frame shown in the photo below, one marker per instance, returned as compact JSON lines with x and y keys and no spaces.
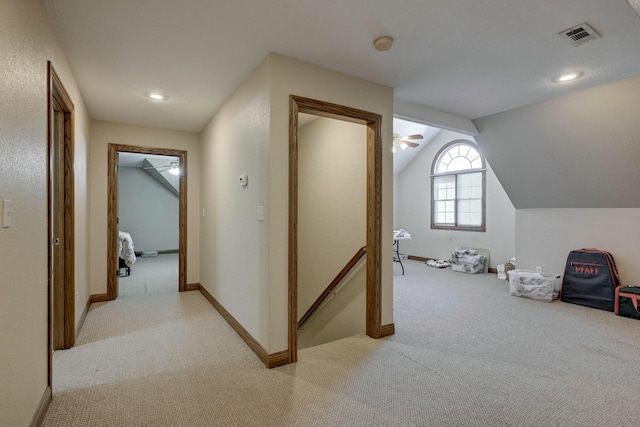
{"x":57,"y":92}
{"x":112,"y":213}
{"x":373,"y":122}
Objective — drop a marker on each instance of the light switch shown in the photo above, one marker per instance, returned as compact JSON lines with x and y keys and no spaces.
{"x":6,"y":213}
{"x":260,"y":213}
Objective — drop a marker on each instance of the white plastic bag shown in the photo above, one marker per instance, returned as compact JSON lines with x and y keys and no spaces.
{"x":532,"y":285}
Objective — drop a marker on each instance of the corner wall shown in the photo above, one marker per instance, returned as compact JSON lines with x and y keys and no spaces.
{"x":27,"y":42}
{"x":234,"y":243}
{"x":288,"y":77}
{"x":105,"y":133}
{"x":246,"y":266}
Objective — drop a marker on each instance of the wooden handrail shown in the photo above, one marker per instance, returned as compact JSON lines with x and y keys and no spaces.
{"x":334,"y":283}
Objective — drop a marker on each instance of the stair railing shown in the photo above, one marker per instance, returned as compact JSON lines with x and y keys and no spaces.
{"x":333,"y":285}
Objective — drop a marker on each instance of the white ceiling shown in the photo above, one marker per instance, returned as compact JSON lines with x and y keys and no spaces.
{"x":470,"y":58}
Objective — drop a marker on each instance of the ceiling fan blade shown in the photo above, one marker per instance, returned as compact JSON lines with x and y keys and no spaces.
{"x":411,"y":144}
{"x":416,"y":136}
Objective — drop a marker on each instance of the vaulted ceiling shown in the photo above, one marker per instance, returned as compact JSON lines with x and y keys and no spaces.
{"x":469,"y":58}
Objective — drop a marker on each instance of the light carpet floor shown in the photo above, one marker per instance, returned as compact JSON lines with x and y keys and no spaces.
{"x":150,"y":275}
{"x":465,"y":353}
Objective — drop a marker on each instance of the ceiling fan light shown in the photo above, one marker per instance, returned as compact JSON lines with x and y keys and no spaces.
{"x":403,"y":146}
{"x":157,"y":96}
{"x":394,"y":150}
{"x":174,"y":171}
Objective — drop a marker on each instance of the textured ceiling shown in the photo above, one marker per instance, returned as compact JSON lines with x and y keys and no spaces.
{"x":470,"y":58}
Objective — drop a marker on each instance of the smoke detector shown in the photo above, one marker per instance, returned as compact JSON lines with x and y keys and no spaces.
{"x":383,"y":43}
{"x":581,"y":33}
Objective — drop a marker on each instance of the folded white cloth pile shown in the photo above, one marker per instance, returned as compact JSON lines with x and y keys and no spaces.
{"x":467,"y":260}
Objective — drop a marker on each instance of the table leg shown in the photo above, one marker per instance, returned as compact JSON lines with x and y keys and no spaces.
{"x":396,"y":243}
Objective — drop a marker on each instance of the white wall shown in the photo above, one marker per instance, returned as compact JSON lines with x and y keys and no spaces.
{"x":546,"y":236}
{"x":332,"y":221}
{"x":148,"y":211}
{"x":102,"y":134}
{"x":250,"y":134}
{"x":332,"y":172}
{"x":413,"y":210}
{"x":234,"y":244}
{"x":26,"y":44}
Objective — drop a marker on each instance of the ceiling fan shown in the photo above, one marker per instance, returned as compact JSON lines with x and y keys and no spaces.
{"x":404,"y":141}
{"x":172,"y":167}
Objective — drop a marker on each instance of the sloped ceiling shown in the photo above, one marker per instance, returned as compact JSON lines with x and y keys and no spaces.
{"x":468,"y":58}
{"x":153,"y":165}
{"x":580,"y":150}
{"x":404,"y":127}
{"x":158,"y":171}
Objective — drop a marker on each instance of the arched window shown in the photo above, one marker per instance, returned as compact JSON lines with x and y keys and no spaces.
{"x":458,"y":188}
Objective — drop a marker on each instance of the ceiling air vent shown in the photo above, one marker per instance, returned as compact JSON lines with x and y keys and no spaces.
{"x":581,"y":33}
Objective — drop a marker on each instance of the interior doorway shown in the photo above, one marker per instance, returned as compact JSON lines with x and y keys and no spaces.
{"x":60,"y":219}
{"x":179,"y":157}
{"x":373,"y":123}
{"x":148,"y":218}
{"x":331,"y":227}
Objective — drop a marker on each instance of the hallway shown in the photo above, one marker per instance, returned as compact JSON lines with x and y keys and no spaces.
{"x":139,"y":360}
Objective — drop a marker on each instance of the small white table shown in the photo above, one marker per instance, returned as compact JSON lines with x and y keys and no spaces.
{"x":397,"y":236}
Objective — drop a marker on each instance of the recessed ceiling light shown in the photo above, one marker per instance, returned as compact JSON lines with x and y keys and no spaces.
{"x":567,"y":77}
{"x":157,"y":96}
